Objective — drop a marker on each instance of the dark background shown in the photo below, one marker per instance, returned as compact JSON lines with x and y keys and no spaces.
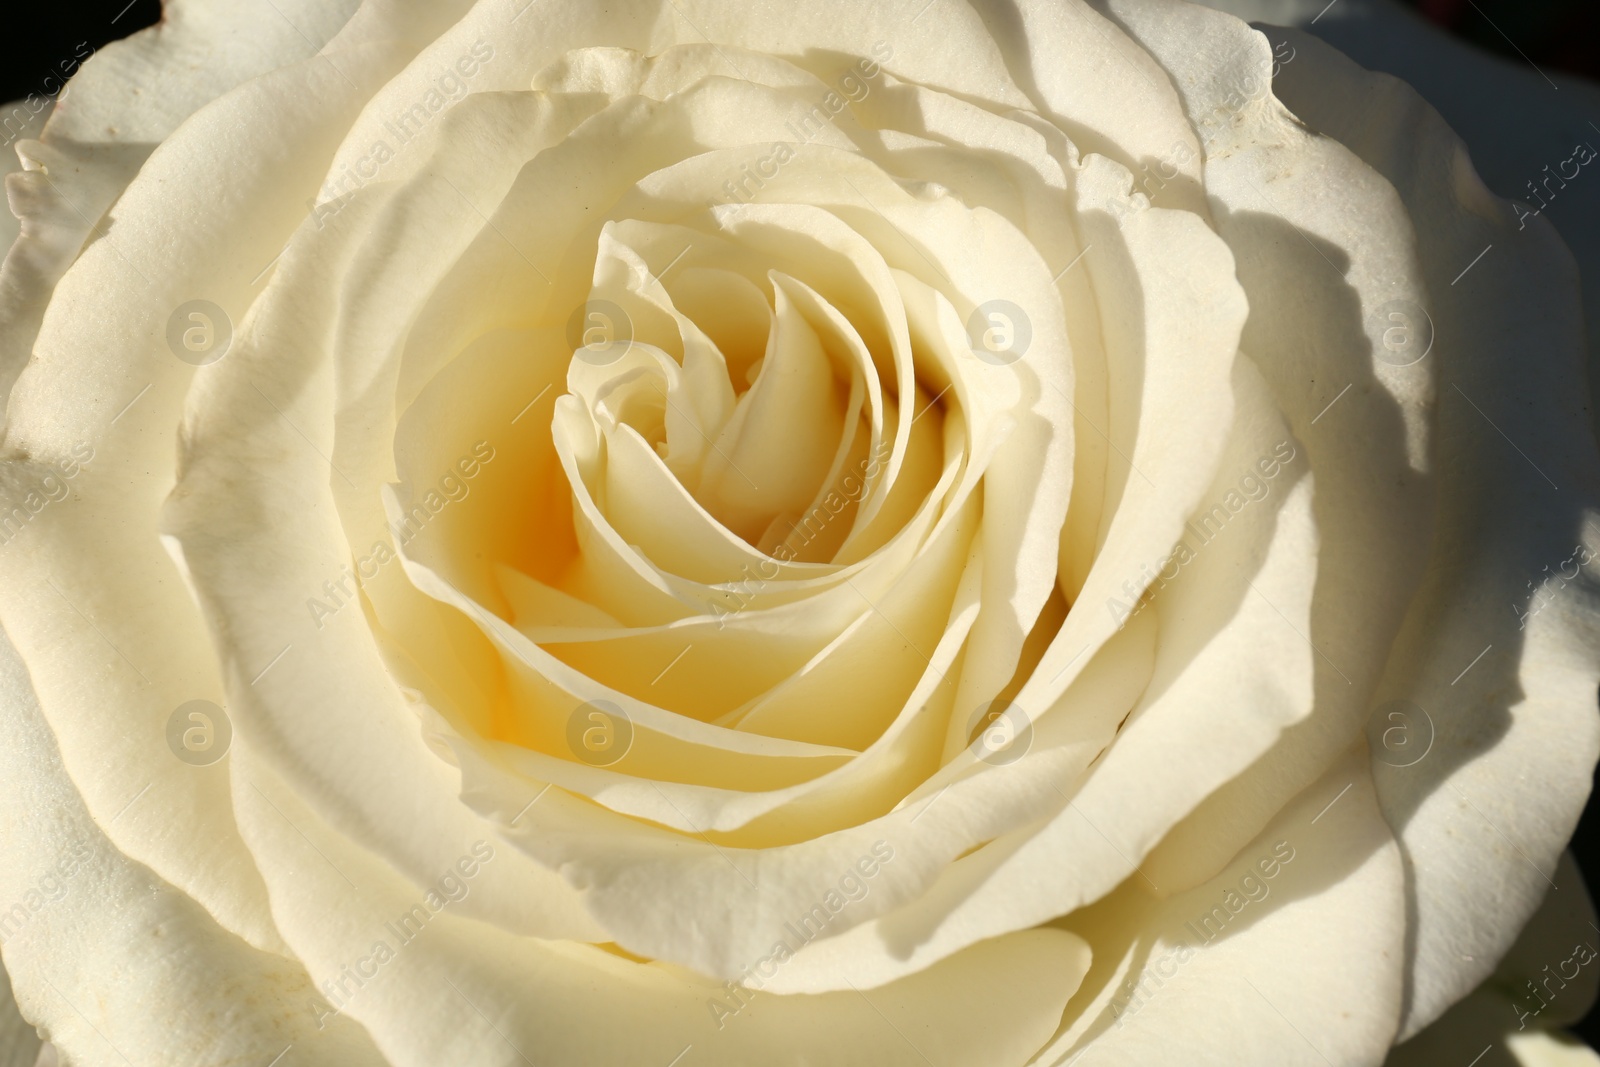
{"x":1560,"y":34}
{"x":1564,"y":34}
{"x":44,"y":33}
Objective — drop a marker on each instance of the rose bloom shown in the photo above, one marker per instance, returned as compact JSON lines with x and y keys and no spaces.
{"x":783,"y":533}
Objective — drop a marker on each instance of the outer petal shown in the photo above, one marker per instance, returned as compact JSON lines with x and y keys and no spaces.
{"x":111,"y":962}
{"x":126,"y":99}
{"x":1316,"y":268}
{"x":21,"y":123}
{"x":1513,"y":1019}
{"x":1509,"y":112}
{"x":1502,"y":648}
{"x":139,"y":89}
{"x":457,"y":991}
{"x":1306,"y":972}
{"x":1079,"y":66}
{"x":89,"y":572}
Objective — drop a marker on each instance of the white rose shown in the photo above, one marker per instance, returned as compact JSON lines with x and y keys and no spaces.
{"x":694,"y":533}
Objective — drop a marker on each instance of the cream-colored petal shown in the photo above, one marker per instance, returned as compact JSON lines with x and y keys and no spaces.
{"x":1182,"y":717}
{"x":695,"y":791}
{"x":331,"y":705}
{"x":24,"y":120}
{"x":1547,"y":980}
{"x":141,"y":88}
{"x":1520,"y":146}
{"x":59,"y":198}
{"x":107,"y":637}
{"x":1171,"y":337}
{"x":125,"y":99}
{"x":115,"y":965}
{"x":1292,"y":954}
{"x":1515,"y":738}
{"x":1323,"y":274}
{"x":776,"y":448}
{"x":462,"y":992}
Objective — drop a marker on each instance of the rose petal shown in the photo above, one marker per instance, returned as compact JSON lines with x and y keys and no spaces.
{"x":1323,"y":274}
{"x":24,"y":119}
{"x":114,"y":964}
{"x":1511,"y":1019}
{"x":70,"y":398}
{"x":1511,"y":424}
{"x":460,"y":992}
{"x":1308,"y":973}
{"x":1191,"y":721}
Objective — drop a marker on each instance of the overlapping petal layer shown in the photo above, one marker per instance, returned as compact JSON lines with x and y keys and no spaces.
{"x":746,"y":521}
